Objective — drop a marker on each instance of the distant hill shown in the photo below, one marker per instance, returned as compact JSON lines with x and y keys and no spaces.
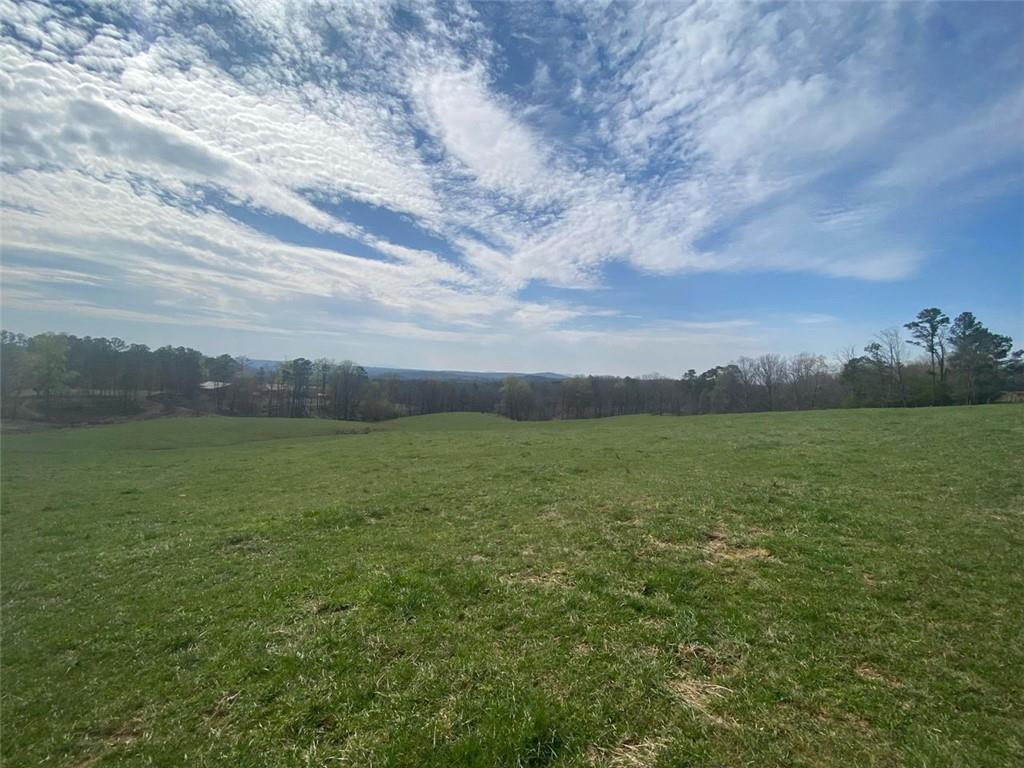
{"x":413,"y":373}
{"x":377,"y":372}
{"x":255,"y":365}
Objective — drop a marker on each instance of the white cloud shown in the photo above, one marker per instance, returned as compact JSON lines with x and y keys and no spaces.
{"x":19,"y":275}
{"x":479,"y":132}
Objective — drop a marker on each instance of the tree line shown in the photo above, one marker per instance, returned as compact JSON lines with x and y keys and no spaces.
{"x":56,"y":375}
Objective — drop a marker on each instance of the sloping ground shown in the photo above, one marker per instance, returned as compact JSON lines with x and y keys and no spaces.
{"x":838,"y":588}
{"x":177,"y":432}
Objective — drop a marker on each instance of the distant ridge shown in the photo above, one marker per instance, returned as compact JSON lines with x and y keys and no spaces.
{"x":378,"y":372}
{"x":414,"y":373}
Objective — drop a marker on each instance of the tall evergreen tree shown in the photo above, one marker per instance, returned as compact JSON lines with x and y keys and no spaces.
{"x":978,"y":357}
{"x":929,"y":333}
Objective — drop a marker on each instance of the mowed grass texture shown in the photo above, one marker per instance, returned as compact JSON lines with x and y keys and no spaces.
{"x":837,"y":588}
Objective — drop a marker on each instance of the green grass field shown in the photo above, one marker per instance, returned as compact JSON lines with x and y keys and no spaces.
{"x":837,"y":588}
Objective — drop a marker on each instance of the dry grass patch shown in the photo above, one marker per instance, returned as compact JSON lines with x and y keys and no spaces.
{"x":556,"y":578}
{"x":633,"y":753}
{"x":552,"y":513}
{"x":714,"y":660}
{"x":868,"y":672}
{"x":654,"y":544}
{"x":719,"y":547}
{"x":698,"y":694}
{"x":321,"y":607}
{"x":582,"y":649}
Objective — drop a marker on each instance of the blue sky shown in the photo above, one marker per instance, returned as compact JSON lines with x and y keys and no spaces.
{"x":615,"y":188}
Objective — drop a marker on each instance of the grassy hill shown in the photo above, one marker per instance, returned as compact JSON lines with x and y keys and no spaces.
{"x":834,"y":588}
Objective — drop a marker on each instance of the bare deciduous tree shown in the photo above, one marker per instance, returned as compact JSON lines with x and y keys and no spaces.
{"x":770,"y":372}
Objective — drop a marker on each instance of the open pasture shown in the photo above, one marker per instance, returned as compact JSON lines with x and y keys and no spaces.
{"x":831,"y":588}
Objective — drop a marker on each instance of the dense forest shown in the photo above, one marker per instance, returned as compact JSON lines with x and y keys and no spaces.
{"x":61,"y":377}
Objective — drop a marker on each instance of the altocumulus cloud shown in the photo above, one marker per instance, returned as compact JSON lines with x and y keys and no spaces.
{"x":450,"y":174}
